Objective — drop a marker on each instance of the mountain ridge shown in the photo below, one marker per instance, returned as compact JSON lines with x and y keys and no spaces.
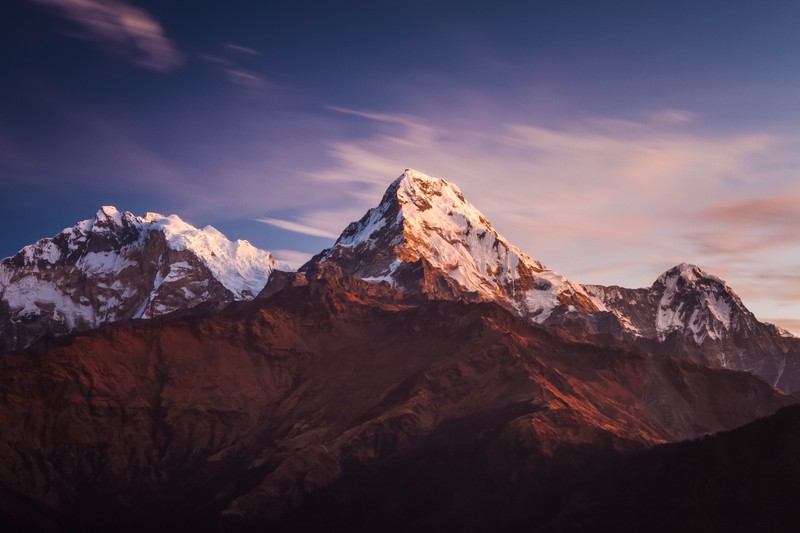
{"x":690,"y":313}
{"x":423,"y":372}
{"x":424,"y":238}
{"x":119,"y":266}
{"x":234,"y":418}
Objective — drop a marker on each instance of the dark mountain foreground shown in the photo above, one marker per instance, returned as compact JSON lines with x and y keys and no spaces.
{"x":738,"y":481}
{"x":329,"y":403}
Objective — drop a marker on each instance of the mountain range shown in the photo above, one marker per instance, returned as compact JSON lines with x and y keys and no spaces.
{"x":425,"y":237}
{"x":421,"y":374}
{"x":118,"y":266}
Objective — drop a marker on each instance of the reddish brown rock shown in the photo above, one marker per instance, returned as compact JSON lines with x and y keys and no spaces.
{"x":236,"y":418}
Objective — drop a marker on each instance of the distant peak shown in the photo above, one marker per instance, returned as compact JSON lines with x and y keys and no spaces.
{"x":107,"y":217}
{"x":153,"y":217}
{"x":211,"y":230}
{"x":107,"y":212}
{"x":685,"y":270}
{"x":691,"y":273}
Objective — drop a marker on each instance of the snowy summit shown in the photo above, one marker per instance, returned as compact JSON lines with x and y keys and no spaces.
{"x":424,"y":220}
{"x":119,"y":266}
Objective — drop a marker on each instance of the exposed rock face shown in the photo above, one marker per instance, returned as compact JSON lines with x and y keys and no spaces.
{"x":693,"y":314}
{"x":235,"y":418}
{"x":120,"y":266}
{"x":424,"y":237}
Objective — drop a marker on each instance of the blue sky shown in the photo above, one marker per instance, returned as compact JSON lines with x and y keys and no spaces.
{"x":609,"y":140}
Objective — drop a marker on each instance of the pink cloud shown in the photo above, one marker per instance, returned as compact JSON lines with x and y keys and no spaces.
{"x":790,"y":324}
{"x":123,"y":27}
{"x":749,"y":225}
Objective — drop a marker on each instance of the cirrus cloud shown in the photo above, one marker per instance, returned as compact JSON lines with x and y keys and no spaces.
{"x":298,"y":228}
{"x":124,"y":28}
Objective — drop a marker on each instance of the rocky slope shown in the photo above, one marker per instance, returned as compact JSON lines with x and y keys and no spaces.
{"x":424,"y":237}
{"x":119,"y":266}
{"x":232,"y":420}
{"x":693,"y":314}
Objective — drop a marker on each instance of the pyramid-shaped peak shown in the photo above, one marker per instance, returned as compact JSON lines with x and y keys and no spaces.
{"x":690,"y":273}
{"x":430,"y":202}
{"x":690,"y":269}
{"x":416,"y":186}
{"x":415,"y":175}
{"x":424,"y":220}
{"x":699,"y":304}
{"x":109,"y":219}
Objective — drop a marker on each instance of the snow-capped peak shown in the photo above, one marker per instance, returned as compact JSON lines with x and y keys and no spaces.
{"x":692,"y":300}
{"x":109,"y":219}
{"x":691,"y":273}
{"x":426,"y":218}
{"x":119,"y":266}
{"x":421,"y":190}
{"x":108,"y":213}
{"x":238,"y":265}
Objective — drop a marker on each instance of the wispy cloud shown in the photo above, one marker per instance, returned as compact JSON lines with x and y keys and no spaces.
{"x":245,"y":78}
{"x":771,"y":211}
{"x":671,"y":116}
{"x":592,"y":168}
{"x":290,"y":258}
{"x":215,"y":59}
{"x":232,"y":69}
{"x":410,"y":122}
{"x":298,"y":228}
{"x":242,"y":49}
{"x":123,"y":27}
{"x":748,"y":226}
